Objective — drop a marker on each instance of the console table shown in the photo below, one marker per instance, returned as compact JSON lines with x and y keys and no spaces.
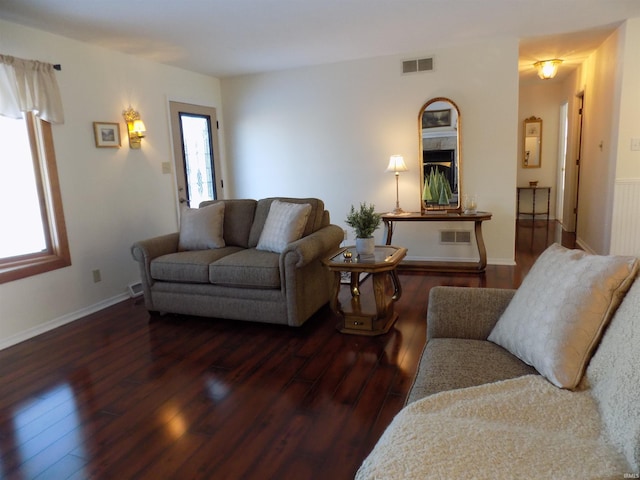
{"x":437,"y":266}
{"x":533,"y":212}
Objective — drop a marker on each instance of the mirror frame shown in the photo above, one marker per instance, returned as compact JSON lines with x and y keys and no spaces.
{"x":423,"y":205}
{"x":525,"y":160}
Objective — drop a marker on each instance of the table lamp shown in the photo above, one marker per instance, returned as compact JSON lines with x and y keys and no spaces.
{"x":397,"y":165}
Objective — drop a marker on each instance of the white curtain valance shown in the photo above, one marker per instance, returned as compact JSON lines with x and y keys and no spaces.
{"x":29,"y":86}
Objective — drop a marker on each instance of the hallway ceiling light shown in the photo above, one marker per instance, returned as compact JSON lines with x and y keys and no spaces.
{"x":547,"y":68}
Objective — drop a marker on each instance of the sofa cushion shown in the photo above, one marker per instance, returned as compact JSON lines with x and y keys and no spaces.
{"x":201,"y":228}
{"x":518,"y":428}
{"x":248,"y":268}
{"x":450,"y":363}
{"x":315,"y":220}
{"x":284,"y":225}
{"x":558,"y":314}
{"x":190,"y":267}
{"x":614,"y":377}
{"x":238,"y":219}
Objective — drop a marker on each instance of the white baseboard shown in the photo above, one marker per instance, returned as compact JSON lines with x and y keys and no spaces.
{"x":58,"y":322}
{"x":585,"y":246}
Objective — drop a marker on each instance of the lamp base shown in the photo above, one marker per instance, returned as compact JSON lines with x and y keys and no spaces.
{"x":398,"y":211}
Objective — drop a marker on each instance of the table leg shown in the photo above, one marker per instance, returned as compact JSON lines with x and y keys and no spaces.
{"x":548,"y":202}
{"x":379,"y":294}
{"x":482,"y":250}
{"x":334,"y":303}
{"x":397,"y":287}
{"x":388,"y":225}
{"x":533,"y":211}
{"x":355,"y":284}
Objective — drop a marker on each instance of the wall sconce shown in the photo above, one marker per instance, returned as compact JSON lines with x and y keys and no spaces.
{"x":547,"y":68}
{"x":397,"y":165}
{"x":135,"y":126}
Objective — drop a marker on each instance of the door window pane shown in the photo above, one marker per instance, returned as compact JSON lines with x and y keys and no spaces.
{"x":198,"y":158}
{"x":20,"y":205}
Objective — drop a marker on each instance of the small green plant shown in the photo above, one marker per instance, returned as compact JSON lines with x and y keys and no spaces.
{"x":364,"y":221}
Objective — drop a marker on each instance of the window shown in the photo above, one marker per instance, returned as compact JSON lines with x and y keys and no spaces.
{"x":34,"y":238}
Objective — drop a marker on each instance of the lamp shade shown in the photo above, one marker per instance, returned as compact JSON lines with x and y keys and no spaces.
{"x":396,"y":164}
{"x":138,"y":126}
{"x":547,"y":68}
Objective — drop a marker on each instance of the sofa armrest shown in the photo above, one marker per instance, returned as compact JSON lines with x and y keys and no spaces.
{"x":146,"y":250}
{"x":462,"y":312}
{"x":312,"y":247}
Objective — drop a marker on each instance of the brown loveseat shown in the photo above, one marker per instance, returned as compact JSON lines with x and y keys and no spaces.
{"x":237,"y":280}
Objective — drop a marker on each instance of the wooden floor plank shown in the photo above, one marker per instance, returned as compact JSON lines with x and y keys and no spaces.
{"x":121,"y":394}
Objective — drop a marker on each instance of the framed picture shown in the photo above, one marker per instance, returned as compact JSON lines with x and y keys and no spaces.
{"x":436,"y":118}
{"x":107,"y":134}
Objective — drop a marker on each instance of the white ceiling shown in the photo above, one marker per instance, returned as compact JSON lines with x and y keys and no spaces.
{"x":233,"y":37}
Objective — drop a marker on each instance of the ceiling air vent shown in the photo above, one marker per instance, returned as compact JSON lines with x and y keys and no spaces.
{"x":417,"y":65}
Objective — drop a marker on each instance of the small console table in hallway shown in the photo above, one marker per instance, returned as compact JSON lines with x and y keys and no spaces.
{"x":533,"y":212}
{"x":437,"y":266}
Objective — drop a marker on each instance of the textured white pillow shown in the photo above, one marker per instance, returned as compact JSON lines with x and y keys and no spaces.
{"x":201,"y":228}
{"x":284,"y":224}
{"x":614,"y":377}
{"x":558,"y":314}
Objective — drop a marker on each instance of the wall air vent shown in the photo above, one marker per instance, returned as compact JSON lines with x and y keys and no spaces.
{"x":455,"y":237}
{"x":417,"y":65}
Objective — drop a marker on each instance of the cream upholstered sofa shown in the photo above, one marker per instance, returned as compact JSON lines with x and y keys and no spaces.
{"x":242,"y":259}
{"x":570,"y":410}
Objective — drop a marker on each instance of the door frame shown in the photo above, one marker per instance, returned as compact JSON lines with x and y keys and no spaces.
{"x":563,"y":137}
{"x":578,"y":165}
{"x":175,"y":108}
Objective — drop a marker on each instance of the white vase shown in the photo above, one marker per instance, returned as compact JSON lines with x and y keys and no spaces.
{"x":365,"y":246}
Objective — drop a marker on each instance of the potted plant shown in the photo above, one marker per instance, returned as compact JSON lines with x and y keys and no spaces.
{"x":364,"y":221}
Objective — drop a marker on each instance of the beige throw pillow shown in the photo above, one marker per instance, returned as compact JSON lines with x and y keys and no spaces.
{"x":284,"y":224}
{"x":557,"y":316}
{"x":201,"y":228}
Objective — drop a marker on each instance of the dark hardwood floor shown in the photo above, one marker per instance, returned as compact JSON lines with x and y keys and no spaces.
{"x":120,"y":395}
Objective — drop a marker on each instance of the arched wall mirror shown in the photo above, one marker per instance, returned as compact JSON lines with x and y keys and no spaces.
{"x":440,"y":155}
{"x":532,"y":143}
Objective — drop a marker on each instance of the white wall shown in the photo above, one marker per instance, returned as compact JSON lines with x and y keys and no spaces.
{"x":601,"y":77}
{"x":625,"y":235}
{"x":328,"y":131}
{"x":111,"y":197}
{"x":541,"y":98}
{"x":628,"y":161}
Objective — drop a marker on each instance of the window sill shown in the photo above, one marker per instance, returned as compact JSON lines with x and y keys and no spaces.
{"x":28,"y":267}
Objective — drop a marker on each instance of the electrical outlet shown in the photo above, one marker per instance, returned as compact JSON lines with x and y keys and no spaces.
{"x":97,"y":277}
{"x":166,"y":167}
{"x":635,"y":144}
{"x":346,"y":235}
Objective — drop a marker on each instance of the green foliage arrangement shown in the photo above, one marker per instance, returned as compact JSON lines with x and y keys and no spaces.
{"x":364,"y":221}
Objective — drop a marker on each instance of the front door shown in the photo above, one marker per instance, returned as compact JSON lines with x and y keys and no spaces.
{"x":195,"y":152}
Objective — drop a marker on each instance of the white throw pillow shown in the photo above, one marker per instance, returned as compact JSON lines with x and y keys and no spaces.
{"x":557,"y":316}
{"x":201,"y":228}
{"x":284,"y":224}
